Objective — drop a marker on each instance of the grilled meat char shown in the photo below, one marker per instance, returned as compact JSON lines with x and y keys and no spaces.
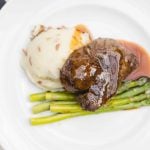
{"x":95,"y":71}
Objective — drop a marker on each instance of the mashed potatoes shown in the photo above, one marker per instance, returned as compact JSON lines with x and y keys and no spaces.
{"x":48,"y":50}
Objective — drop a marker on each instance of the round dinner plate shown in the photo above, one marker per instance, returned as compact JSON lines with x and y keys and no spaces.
{"x":122,"y":19}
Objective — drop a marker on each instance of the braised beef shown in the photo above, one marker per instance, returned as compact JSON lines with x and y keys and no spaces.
{"x":95,"y":71}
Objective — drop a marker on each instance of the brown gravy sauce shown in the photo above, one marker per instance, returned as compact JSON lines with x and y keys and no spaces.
{"x":143,"y":57}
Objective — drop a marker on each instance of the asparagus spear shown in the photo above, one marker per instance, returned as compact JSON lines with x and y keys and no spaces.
{"x":133,"y":92}
{"x":140,"y":97}
{"x":65,"y":96}
{"x":60,"y":96}
{"x":58,"y":117}
{"x":62,"y":108}
{"x":130,"y":84}
{"x":45,"y":106}
{"x":63,"y":102}
{"x":52,"y":118}
{"x":37,"y":97}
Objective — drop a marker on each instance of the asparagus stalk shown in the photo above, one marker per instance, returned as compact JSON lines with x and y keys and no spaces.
{"x":64,"y":96}
{"x":63,"y":102}
{"x":133,"y":92}
{"x":45,"y":106}
{"x":58,"y":117}
{"x":52,"y":118}
{"x":62,"y":108}
{"x":60,"y":96}
{"x":37,"y":97}
{"x":137,"y":98}
{"x":130,"y":84}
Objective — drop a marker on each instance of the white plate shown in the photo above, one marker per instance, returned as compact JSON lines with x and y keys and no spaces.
{"x":124,"y":19}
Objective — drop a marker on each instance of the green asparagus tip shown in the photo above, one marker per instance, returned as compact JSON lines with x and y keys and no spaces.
{"x":131,"y":84}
